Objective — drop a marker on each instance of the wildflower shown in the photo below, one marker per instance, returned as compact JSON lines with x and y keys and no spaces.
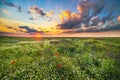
{"x":13,"y":62}
{"x":59,"y":65}
{"x":57,"y":54}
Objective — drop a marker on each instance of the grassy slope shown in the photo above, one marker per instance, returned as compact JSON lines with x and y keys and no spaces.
{"x":60,"y":59}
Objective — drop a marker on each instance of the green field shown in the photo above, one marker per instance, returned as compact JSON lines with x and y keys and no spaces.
{"x":59,"y":59}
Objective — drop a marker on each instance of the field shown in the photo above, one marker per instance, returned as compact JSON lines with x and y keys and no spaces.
{"x":59,"y":59}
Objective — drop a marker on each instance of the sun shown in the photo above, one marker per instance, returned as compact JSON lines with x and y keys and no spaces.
{"x":38,"y":35}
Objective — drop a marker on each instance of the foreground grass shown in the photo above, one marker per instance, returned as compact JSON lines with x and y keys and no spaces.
{"x":60,"y":59}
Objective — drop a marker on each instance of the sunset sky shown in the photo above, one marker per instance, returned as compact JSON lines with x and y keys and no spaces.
{"x":24,"y":16}
{"x":55,"y":6}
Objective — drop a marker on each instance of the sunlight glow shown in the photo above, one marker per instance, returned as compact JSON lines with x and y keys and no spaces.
{"x":37,"y":36}
{"x":118,"y":18}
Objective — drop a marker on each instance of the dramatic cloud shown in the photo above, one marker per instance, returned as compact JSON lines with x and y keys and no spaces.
{"x":68,"y":19}
{"x":90,"y":9}
{"x":88,"y":16}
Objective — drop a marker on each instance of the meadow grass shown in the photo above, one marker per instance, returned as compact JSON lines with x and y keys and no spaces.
{"x":59,"y":59}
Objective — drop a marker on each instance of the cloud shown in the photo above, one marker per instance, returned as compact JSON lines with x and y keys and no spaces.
{"x":69,"y":19}
{"x":33,"y":18}
{"x":85,"y":6}
{"x":61,"y":16}
{"x":16,"y":29}
{"x":10,"y":4}
{"x":35,"y":11}
{"x":19,"y":9}
{"x":5,"y":12}
{"x":48,"y":14}
{"x":28,"y":29}
{"x":88,"y":16}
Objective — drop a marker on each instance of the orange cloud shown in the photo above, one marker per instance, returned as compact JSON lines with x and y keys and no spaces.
{"x":48,"y":14}
{"x":13,"y":26}
{"x":79,"y":9}
{"x":75,"y":16}
{"x":118,"y":18}
{"x":67,"y":14}
{"x":61,"y":16}
{"x":5,"y":29}
{"x":8,"y":25}
{"x":68,"y":17}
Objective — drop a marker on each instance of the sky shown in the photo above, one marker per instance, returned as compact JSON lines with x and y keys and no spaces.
{"x":59,"y":16}
{"x":47,"y":5}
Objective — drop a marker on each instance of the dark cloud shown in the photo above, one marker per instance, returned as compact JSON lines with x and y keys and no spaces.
{"x":95,"y":29}
{"x":29,"y":30}
{"x":90,"y":9}
{"x":19,"y":9}
{"x":89,"y":15}
{"x":69,"y":19}
{"x":32,"y":18}
{"x":10,"y":4}
{"x":17,"y":30}
{"x":98,"y":6}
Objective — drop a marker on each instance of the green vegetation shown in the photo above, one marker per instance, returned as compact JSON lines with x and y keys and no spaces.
{"x":60,"y":59}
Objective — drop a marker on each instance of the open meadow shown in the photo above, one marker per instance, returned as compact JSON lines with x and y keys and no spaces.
{"x":59,"y":58}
